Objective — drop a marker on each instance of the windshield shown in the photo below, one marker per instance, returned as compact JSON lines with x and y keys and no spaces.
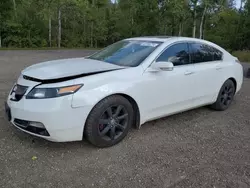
{"x":128,"y":53}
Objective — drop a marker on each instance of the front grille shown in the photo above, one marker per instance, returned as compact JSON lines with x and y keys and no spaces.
{"x":18,"y":92}
{"x":25,"y":125}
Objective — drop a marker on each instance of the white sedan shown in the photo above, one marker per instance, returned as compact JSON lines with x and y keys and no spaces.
{"x":100,"y":97}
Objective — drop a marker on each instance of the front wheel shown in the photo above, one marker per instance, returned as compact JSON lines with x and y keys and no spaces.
{"x":225,"y":96}
{"x":109,"y":121}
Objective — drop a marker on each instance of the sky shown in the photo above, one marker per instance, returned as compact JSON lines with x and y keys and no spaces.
{"x":237,"y":3}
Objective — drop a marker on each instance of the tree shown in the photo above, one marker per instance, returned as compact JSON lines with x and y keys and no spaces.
{"x":194,"y":6}
{"x":5,"y":7}
{"x":97,"y":23}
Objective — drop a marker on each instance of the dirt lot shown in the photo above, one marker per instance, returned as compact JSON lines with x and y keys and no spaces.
{"x":199,"y":148}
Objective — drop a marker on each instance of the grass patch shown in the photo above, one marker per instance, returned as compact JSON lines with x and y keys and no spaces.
{"x":243,"y":56}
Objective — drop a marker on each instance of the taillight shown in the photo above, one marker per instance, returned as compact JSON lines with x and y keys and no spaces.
{"x":237,"y":61}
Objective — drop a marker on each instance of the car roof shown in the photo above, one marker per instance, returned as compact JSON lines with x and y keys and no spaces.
{"x":172,"y":39}
{"x":165,"y":38}
{"x":151,"y":38}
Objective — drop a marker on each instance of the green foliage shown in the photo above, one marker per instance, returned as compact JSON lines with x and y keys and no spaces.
{"x":226,"y":35}
{"x":97,"y":23}
{"x":243,"y":56}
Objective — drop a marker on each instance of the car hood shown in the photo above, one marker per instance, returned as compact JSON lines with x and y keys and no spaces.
{"x":67,"y":68}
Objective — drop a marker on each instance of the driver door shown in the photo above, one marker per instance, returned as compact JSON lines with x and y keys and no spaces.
{"x":172,"y":91}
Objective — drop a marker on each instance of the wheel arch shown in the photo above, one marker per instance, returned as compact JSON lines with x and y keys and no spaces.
{"x":225,"y":79}
{"x":234,"y":81}
{"x":133,"y":102}
{"x":135,"y":107}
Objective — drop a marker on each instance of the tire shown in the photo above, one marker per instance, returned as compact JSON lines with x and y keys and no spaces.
{"x":109,"y":121}
{"x":225,"y":96}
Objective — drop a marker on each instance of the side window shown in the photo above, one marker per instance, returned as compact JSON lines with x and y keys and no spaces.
{"x":217,"y":54}
{"x":201,"y":53}
{"x":178,"y":54}
{"x":204,"y":53}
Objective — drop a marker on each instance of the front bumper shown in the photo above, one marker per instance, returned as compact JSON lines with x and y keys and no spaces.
{"x":62,"y":122}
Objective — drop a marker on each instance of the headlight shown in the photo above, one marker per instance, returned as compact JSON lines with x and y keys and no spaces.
{"x":44,"y":93}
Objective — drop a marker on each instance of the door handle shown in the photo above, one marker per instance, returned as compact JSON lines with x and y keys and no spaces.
{"x":188,"y":73}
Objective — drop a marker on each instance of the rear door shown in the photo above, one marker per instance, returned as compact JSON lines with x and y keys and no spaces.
{"x":208,"y":66}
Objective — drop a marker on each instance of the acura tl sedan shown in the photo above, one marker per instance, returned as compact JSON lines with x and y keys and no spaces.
{"x":100,"y":97}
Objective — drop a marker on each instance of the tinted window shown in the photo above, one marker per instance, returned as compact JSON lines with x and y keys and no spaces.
{"x":204,"y":53}
{"x":217,"y":54}
{"x":129,"y":53}
{"x":178,"y":54}
{"x":201,"y":53}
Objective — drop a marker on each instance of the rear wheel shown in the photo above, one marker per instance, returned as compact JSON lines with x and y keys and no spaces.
{"x":109,"y":121}
{"x":225,"y":96}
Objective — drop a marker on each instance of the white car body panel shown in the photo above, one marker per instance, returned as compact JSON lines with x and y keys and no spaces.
{"x":164,"y":91}
{"x":157,"y":94}
{"x":66,"y":67}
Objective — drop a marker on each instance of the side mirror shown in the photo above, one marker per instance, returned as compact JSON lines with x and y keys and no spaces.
{"x":161,"y":66}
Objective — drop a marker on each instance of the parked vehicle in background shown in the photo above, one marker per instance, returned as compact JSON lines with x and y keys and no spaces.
{"x":133,"y":81}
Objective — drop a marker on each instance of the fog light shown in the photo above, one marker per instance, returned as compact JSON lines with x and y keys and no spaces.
{"x":36,"y":124}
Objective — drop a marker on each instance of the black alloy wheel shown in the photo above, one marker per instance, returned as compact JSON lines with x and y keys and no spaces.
{"x":227,"y":94}
{"x":225,"y":97}
{"x":109,"y":121}
{"x":113,"y":122}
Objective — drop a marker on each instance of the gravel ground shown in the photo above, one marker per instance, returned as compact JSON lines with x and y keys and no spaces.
{"x":198,"y":148}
